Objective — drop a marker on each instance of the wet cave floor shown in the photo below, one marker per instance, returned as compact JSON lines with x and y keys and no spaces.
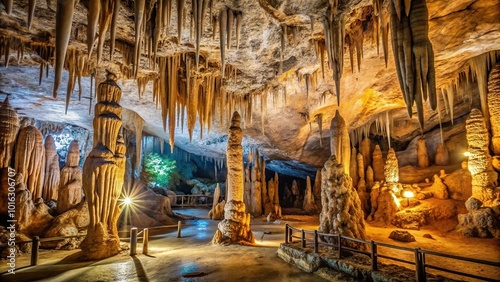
{"x":174,"y":259}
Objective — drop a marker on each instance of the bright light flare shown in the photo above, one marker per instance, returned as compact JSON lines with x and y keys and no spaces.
{"x":408,"y":194}
{"x":396,"y":200}
{"x":467,"y":154}
{"x":127,"y":201}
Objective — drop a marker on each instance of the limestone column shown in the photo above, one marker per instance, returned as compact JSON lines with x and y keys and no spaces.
{"x":378,"y":164}
{"x":235,"y":228}
{"x":104,"y":172}
{"x":353,"y":169}
{"x":365,"y":150}
{"x":317,"y":189}
{"x":70,"y":192}
{"x":9,"y":126}
{"x":340,"y":145}
{"x":309,"y":205}
{"x":483,"y":176}
{"x":255,"y":190}
{"x":52,"y":173}
{"x":342,"y":212}
{"x":391,"y":167}
{"x":422,"y":155}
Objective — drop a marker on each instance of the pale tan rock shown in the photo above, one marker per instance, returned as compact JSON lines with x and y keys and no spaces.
{"x":340,"y":146}
{"x":309,"y":204}
{"x":30,"y":159}
{"x":104,"y":172}
{"x":255,"y":191}
{"x":361,"y":166}
{"x":442,"y":157}
{"x":439,"y":190}
{"x":52,"y":171}
{"x":70,"y":192}
{"x":422,"y":155}
{"x":459,"y":184}
{"x":366,"y":152}
{"x":374,"y":194}
{"x":386,"y":207}
{"x":353,"y":169}
{"x":378,"y":164}
{"x":317,"y":190}
{"x":391,"y":167}
{"x":217,"y":211}
{"x":364,"y":197}
{"x":235,"y":228}
{"x":70,"y":223}
{"x":370,"y":180}
{"x":494,"y":107}
{"x":296,"y":194}
{"x":342,"y":212}
{"x":9,"y":126}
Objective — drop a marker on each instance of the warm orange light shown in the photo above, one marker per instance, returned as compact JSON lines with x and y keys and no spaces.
{"x":396,"y":200}
{"x":408,"y":194}
{"x":467,"y":154}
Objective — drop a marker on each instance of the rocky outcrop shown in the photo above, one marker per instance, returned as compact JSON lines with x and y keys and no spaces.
{"x":459,"y":184}
{"x":402,"y":236}
{"x":386,"y":207}
{"x":483,"y":222}
{"x":30,"y":159}
{"x":439,"y":189}
{"x":479,"y":164}
{"x":235,"y":228}
{"x":70,"y":192}
{"x":104,"y":172}
{"x":342,"y":212}
{"x":70,"y":223}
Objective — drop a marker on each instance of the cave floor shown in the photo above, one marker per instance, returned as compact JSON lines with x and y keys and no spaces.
{"x":173,"y":259}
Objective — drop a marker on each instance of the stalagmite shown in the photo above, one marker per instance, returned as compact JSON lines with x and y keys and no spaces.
{"x":479,"y":164}
{"x":309,"y":205}
{"x":30,"y":159}
{"x":340,"y":145}
{"x":414,"y":56}
{"x":391,"y":167}
{"x":441,"y":157}
{"x":361,"y":166}
{"x":64,"y":21}
{"x":341,"y":208}
{"x":52,"y":175}
{"x":217,"y":211}
{"x":222,"y":39}
{"x":256,"y":191}
{"x":378,"y":164}
{"x":422,"y":155}
{"x":70,"y":192}
{"x":374,"y":194}
{"x":31,"y":12}
{"x":494,"y":107}
{"x":235,"y":228}
{"x":317,"y":190}
{"x":319,"y":120}
{"x":104,"y":172}
{"x":439,"y":190}
{"x":364,"y":198}
{"x":295,"y":194}
{"x":9,"y":126}
{"x":365,"y":150}
{"x":353,"y":169}
{"x":370,"y":179}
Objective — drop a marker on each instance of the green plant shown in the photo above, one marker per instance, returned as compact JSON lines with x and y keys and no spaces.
{"x":159,"y":171}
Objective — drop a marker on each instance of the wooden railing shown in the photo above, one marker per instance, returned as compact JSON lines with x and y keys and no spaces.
{"x":193,"y":201}
{"x":420,"y":255}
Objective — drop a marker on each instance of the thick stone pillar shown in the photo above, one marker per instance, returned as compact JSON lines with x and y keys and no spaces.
{"x":52,"y":173}
{"x":340,"y":145}
{"x":104,"y":172}
{"x":235,"y":228}
{"x":30,"y":159}
{"x":70,"y":192}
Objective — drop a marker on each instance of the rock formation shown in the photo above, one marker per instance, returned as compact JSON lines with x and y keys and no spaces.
{"x":494,"y":107}
{"x":341,"y":208}
{"x":70,"y":223}
{"x":364,"y":197}
{"x":422,"y":155}
{"x":361,"y":166}
{"x":483,"y":176}
{"x":217,"y":211}
{"x":30,"y":159}
{"x":295,"y":194}
{"x":386,"y":206}
{"x":235,"y":228}
{"x":353,"y":169}
{"x":483,"y":222}
{"x":52,"y":173}
{"x":103,"y":172}
{"x":442,"y":157}
{"x":70,"y":187}
{"x":366,"y":151}
{"x":374,"y":194}
{"x":391,"y":167}
{"x":378,"y":164}
{"x":369,"y":177}
{"x":340,"y":146}
{"x":309,"y":204}
{"x":439,"y":190}
{"x":317,"y":190}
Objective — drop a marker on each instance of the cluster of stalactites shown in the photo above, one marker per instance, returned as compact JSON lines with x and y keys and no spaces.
{"x":381,"y":125}
{"x":334,"y":33}
{"x":228,"y":19}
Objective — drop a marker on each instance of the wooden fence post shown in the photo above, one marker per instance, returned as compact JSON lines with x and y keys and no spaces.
{"x":286,"y":233}
{"x":316,"y":241}
{"x":303,"y":238}
{"x":374,"y":255}
{"x":179,"y":227}
{"x":339,"y":245}
{"x":145,"y":241}
{"x":419,"y":267}
{"x":34,"y":250}
{"x":133,"y":241}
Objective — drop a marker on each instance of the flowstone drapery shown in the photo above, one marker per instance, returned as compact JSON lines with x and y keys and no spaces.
{"x":235,"y":228}
{"x":104,"y":171}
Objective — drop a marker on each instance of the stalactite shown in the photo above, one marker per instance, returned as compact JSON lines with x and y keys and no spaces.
{"x":30,"y":159}
{"x":198,"y":22}
{"x":139,"y":7}
{"x":114,"y":19}
{"x":105,"y":15}
{"x":481,"y":65}
{"x":9,"y":126}
{"x":239,"y":22}
{"x":230,"y":23}
{"x":94,"y":11}
{"x":222,"y":38}
{"x":64,"y":20}
{"x":8,"y":6}
{"x":31,"y":12}
{"x":334,"y":41}
{"x":340,"y":145}
{"x":180,"y":23}
{"x":414,"y":56}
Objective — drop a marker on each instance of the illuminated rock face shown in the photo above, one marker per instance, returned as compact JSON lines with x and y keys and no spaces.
{"x":422,"y":155}
{"x":378,"y":164}
{"x":391,"y":167}
{"x":483,"y":176}
{"x":235,"y":228}
{"x":104,"y":172}
{"x":494,"y":107}
{"x":340,"y":145}
{"x":341,"y":208}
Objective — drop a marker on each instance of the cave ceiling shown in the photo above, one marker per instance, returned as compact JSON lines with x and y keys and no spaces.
{"x":289,"y":96}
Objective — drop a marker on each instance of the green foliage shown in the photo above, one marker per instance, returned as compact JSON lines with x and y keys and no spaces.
{"x":160,"y":171}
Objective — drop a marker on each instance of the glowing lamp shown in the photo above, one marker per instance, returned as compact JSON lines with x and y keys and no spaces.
{"x":127,"y":201}
{"x":467,"y":154}
{"x":408,"y":194}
